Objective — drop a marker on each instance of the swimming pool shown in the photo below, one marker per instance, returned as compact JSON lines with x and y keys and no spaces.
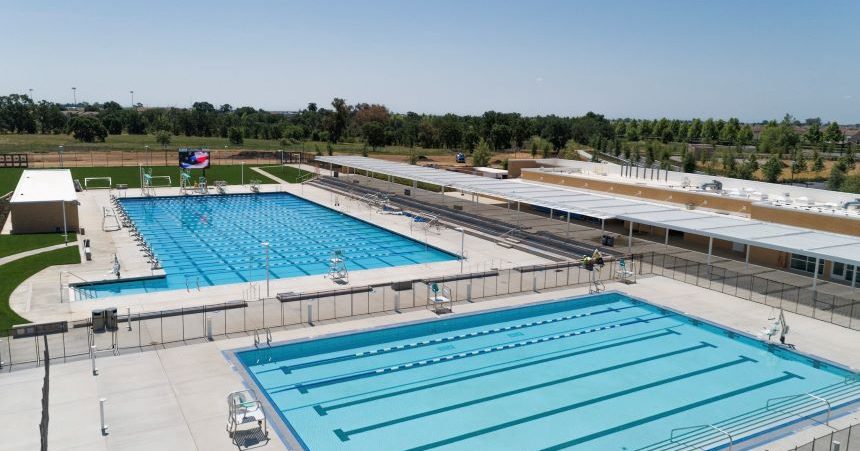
{"x":214,"y":240}
{"x":604,"y":372}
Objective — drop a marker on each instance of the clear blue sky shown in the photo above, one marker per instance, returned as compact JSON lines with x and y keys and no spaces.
{"x":676,"y":58}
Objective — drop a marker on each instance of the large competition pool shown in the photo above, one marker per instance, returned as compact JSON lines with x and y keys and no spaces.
{"x":214,"y":240}
{"x":604,"y":372}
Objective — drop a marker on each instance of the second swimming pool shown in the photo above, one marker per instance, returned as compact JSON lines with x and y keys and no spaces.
{"x":603,"y":372}
{"x":214,"y":240}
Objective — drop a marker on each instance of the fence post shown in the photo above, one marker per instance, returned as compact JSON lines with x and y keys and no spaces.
{"x":397,"y":301}
{"x":469,"y":291}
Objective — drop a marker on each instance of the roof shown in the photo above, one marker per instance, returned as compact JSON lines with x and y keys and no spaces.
{"x":824,"y":245}
{"x":491,"y":170}
{"x":44,"y":185}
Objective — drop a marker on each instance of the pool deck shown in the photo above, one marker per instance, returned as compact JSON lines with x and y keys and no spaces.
{"x":174,"y":399}
{"x":38,"y":298}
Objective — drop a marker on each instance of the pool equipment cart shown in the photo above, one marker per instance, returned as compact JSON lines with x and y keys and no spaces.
{"x":243,"y":409}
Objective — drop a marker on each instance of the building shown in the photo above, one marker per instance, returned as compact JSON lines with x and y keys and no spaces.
{"x":44,"y":201}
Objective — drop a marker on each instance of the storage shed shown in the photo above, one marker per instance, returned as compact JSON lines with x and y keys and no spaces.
{"x":44,"y":201}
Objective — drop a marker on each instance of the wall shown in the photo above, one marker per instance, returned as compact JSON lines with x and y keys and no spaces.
{"x":835,"y":224}
{"x":515,"y":167}
{"x":43,"y":217}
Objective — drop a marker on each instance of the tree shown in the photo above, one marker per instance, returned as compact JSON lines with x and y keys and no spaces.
{"x":730,"y":165}
{"x":836,"y":179}
{"x":689,"y":162}
{"x":817,"y":162}
{"x":851,"y":184}
{"x":482,"y":155}
{"x":833,"y":134}
{"x":813,"y":134}
{"x":710,"y":133}
{"x":339,"y":119}
{"x":374,"y":134}
{"x":745,"y":135}
{"x":87,"y":129}
{"x":500,"y":136}
{"x":234,"y":134}
{"x":799,"y":164}
{"x":113,"y":123}
{"x":772,"y":169}
{"x":694,"y":133}
{"x":163,"y":137}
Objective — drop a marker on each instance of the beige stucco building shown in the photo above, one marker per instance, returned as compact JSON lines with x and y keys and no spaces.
{"x":44,"y":201}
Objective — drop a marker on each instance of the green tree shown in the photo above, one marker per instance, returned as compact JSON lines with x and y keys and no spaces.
{"x":730,"y":165}
{"x":163,"y":137}
{"x":481,"y":156}
{"x":694,"y":133}
{"x":234,"y":134}
{"x":833,"y":134}
{"x":836,"y":179}
{"x":851,"y":184}
{"x":87,"y":129}
{"x":689,"y":162}
{"x":772,"y":169}
{"x":813,"y":134}
{"x":817,"y":162}
{"x":374,"y":134}
{"x":798,"y":165}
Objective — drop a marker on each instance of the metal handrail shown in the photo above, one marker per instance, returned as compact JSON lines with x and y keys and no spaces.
{"x":722,"y":431}
{"x":816,"y":397}
{"x":509,"y":233}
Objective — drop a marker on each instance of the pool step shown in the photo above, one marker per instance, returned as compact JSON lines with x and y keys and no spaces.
{"x":798,"y":406}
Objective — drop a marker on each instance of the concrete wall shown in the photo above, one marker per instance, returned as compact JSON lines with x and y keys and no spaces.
{"x":729,"y":204}
{"x":43,"y":217}
{"x":799,"y":218}
{"x":515,"y":167}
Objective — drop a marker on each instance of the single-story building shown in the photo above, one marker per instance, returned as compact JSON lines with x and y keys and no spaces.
{"x":44,"y":201}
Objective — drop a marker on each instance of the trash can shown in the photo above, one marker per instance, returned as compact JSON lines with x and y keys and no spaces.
{"x":610,"y":240}
{"x":335,"y":174}
{"x":98,"y":320}
{"x":111,"y":321}
{"x":407,"y":192}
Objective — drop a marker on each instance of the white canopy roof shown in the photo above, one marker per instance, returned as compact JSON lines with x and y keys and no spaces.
{"x":45,"y":185}
{"x":824,"y":245}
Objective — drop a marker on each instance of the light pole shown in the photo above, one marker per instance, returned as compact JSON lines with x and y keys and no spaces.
{"x":265,"y":244}
{"x":132,"y":98}
{"x":61,"y":156}
{"x":75,"y":97}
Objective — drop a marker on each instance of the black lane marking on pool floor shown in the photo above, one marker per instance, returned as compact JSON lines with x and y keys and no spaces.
{"x":589,"y":437}
{"x":287,"y":369}
{"x":323,"y":410}
{"x":666,"y":413}
{"x":303,"y":387}
{"x":344,"y":435}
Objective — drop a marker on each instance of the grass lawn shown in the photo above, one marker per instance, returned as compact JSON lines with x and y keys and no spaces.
{"x":15,"y":143}
{"x":129,"y":175}
{"x":13,"y":244}
{"x":14,"y":273}
{"x":8,"y":179}
{"x":288,"y":173}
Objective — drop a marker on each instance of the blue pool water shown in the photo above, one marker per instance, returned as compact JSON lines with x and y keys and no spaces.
{"x":604,"y":372}
{"x":214,"y":240}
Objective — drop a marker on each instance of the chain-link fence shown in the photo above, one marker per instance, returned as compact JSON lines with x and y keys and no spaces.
{"x":801,"y":300}
{"x":150,"y":330}
{"x":847,"y":439}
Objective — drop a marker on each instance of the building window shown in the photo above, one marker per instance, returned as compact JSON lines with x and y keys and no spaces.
{"x":805,"y":263}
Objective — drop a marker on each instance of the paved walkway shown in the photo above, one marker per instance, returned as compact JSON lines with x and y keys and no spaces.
{"x":19,"y":255}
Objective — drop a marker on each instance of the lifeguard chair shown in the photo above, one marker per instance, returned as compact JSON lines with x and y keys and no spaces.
{"x":337,"y":271}
{"x":244,"y":409}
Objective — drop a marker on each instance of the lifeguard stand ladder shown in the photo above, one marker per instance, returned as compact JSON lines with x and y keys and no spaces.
{"x":337,"y":271}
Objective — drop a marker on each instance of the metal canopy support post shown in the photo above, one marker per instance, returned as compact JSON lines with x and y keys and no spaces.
{"x":854,"y":279}
{"x":710,"y":249}
{"x":518,"y":214}
{"x":65,"y":228}
{"x":666,"y":241}
{"x":630,"y":239}
{"x":568,"y":226}
{"x":602,"y":224}
{"x":815,"y":274}
{"x":747,"y":259}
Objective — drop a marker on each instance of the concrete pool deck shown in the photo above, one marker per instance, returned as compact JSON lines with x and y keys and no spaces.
{"x":174,"y":399}
{"x":38,"y":298}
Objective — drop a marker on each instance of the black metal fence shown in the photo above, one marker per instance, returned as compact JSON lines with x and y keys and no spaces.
{"x":847,"y":439}
{"x":139,"y":331}
{"x":801,"y":300}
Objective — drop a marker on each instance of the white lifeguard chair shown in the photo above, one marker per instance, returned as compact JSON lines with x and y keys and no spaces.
{"x":778,"y":326}
{"x":255,"y":185}
{"x":441,"y":296}
{"x":244,"y":409}
{"x":337,"y":270}
{"x":110,"y":221}
{"x":626,"y":272}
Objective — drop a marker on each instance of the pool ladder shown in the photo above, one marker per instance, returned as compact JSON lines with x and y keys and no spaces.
{"x":267,"y":332}
{"x":196,"y":281}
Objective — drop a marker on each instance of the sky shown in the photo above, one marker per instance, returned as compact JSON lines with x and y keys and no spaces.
{"x":754,"y":60}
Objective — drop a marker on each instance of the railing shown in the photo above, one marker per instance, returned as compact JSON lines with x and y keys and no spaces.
{"x":770,"y":403}
{"x":306,"y":177}
{"x":761,"y":289}
{"x":148,"y":330}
